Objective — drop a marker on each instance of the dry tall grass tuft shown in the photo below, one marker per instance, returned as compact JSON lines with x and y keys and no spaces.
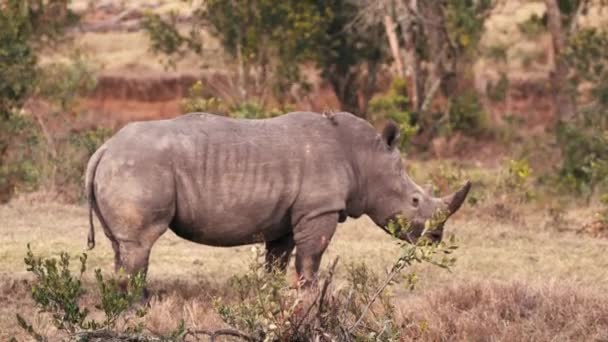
{"x":507,"y":312}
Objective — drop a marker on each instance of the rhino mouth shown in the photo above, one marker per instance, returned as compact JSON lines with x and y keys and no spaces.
{"x":405,"y":232}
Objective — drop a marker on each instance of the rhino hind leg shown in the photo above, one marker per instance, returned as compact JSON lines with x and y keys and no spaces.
{"x":131,"y":256}
{"x":133,"y":228}
{"x":278,"y":253}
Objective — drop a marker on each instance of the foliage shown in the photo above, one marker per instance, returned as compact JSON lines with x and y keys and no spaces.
{"x":24,"y":26}
{"x":252,"y":110}
{"x":349,"y":54}
{"x":497,"y":91}
{"x":394,"y":105}
{"x":258,"y":29}
{"x":20,"y":143}
{"x":30,"y":155}
{"x":34,"y":156}
{"x":267,"y":39}
{"x":584,"y":158}
{"x":17,"y":73}
{"x":196,"y":101}
{"x":588,"y":54}
{"x":268,"y":309}
{"x":516,"y":180}
{"x":61,"y":82}
{"x":265,"y":303}
{"x":165,"y":37}
{"x":18,"y":62}
{"x":440,"y":41}
{"x":533,"y":26}
{"x":584,"y":140}
{"x":58,"y":292}
{"x":512,"y":183}
{"x":464,"y":22}
{"x":114,"y":302}
{"x":270,"y":40}
{"x":603,"y":213}
{"x":446,"y":177}
{"x":467,"y":115}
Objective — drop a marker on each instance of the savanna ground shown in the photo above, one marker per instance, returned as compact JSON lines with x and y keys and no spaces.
{"x":523,"y":271}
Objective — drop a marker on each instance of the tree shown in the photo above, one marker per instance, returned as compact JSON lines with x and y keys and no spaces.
{"x":19,"y":25}
{"x":350,"y":55}
{"x":580,"y":58}
{"x":269,"y":40}
{"x":557,"y":16}
{"x":435,"y":51}
{"x":25,"y":28}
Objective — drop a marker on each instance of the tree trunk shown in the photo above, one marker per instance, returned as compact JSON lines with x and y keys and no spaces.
{"x":563,"y":98}
{"x":389,"y":27}
{"x":345,"y":87}
{"x":370,"y":85}
{"x":408,"y":25}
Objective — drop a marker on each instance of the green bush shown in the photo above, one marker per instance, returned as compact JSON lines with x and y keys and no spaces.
{"x":196,"y":101}
{"x":467,"y":115}
{"x":394,"y":105}
{"x":252,"y":110}
{"x":21,"y":146}
{"x":58,"y":292}
{"x":532,"y":27}
{"x":265,"y":303}
{"x":584,"y":139}
{"x":35,"y":156}
{"x":584,"y":158}
{"x":32,"y":156}
{"x":61,"y":82}
{"x":516,"y":180}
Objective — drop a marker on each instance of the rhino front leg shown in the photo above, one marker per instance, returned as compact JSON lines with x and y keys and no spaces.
{"x":311,"y":238}
{"x":278,"y":253}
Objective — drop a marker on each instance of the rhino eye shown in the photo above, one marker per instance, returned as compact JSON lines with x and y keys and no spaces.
{"x":415,"y":202}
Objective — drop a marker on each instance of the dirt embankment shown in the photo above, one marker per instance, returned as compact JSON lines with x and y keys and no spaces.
{"x":123,"y":97}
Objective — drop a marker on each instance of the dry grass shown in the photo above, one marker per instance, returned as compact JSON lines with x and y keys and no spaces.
{"x":489,"y":311}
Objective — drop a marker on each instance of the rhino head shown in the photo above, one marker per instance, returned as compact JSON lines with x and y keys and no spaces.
{"x":394,"y":197}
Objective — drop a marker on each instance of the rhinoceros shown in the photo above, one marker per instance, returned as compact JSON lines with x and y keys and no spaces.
{"x":285,"y":181}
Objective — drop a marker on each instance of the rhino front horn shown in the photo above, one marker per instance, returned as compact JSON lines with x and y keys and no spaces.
{"x":455,"y":200}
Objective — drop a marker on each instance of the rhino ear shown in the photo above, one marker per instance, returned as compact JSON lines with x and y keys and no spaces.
{"x":390,"y":134}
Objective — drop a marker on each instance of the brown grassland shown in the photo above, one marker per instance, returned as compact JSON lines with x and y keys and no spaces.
{"x":520,"y":276}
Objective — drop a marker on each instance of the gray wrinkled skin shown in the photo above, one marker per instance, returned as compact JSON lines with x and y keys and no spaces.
{"x":285,"y":181}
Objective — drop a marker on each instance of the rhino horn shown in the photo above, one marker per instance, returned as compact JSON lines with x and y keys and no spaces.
{"x":455,"y":200}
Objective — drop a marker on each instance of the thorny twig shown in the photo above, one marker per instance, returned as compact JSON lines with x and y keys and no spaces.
{"x":326,"y":285}
{"x":320,"y":296}
{"x":221,"y":332}
{"x":391,"y":276}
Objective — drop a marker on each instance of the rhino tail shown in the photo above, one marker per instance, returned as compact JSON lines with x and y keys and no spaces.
{"x":90,"y":192}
